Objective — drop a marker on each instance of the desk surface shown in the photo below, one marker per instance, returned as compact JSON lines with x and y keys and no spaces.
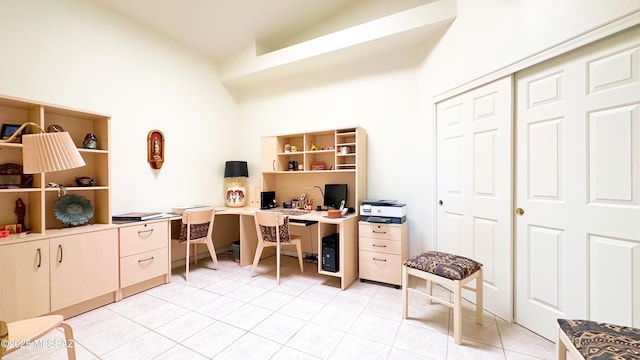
{"x":313,"y":215}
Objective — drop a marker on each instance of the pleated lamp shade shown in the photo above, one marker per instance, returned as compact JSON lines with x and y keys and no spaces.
{"x":47,"y":152}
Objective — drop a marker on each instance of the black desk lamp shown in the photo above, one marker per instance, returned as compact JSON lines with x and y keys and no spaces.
{"x":236,"y":193}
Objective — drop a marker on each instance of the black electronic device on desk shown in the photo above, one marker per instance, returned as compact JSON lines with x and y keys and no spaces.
{"x":267,"y":200}
{"x":335,"y":195}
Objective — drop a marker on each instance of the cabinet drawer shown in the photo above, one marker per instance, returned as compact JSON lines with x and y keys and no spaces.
{"x":143,"y":237}
{"x":380,"y":245}
{"x":384,"y":268}
{"x":380,"y":231}
{"x":144,"y":266}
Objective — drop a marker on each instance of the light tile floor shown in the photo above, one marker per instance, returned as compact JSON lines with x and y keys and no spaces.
{"x":226,"y":314}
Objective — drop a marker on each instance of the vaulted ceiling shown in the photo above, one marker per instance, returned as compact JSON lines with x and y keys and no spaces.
{"x":254,"y":40}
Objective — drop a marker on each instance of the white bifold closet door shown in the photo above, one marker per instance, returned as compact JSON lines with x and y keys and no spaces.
{"x":474,"y":185}
{"x":578,"y":184}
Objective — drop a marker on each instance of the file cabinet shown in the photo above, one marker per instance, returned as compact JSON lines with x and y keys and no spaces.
{"x":382,"y":249}
{"x":144,"y":256}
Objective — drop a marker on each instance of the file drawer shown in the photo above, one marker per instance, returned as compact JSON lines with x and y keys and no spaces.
{"x":380,"y":245}
{"x":386,"y":268}
{"x":380,"y":231}
{"x":143,"y":237}
{"x":140,"y":267}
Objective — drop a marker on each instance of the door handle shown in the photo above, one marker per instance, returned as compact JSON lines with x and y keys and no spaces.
{"x":59,"y":254}
{"x":440,"y":202}
{"x":520,"y":211}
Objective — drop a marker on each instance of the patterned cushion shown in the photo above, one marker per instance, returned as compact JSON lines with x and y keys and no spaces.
{"x":596,"y":340}
{"x":198,"y":231}
{"x":269,"y":232}
{"x":450,"y":266}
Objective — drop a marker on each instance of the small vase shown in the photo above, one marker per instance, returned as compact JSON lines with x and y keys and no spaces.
{"x":90,"y":141}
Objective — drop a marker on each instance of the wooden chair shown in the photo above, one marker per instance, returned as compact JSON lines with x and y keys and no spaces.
{"x":197,"y":228}
{"x":23,"y":333}
{"x":273,"y":230}
{"x":453,"y":272}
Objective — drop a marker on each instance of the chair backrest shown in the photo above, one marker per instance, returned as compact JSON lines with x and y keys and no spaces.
{"x":272,"y":226}
{"x":197,"y":224}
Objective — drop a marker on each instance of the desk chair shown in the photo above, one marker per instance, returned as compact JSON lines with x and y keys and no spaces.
{"x":25,"y":332}
{"x":273,"y":230}
{"x":197,"y":228}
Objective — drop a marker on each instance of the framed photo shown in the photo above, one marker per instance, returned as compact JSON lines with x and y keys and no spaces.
{"x":8,"y":130}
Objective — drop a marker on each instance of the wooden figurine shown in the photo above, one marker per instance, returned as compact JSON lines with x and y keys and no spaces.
{"x":155,"y":149}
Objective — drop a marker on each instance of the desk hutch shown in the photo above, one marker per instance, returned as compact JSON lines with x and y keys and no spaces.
{"x":344,"y":167}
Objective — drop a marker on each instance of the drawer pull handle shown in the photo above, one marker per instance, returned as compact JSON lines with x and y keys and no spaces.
{"x":385,"y":260}
{"x":59,"y":254}
{"x":143,"y":260}
{"x":379,"y":232}
{"x":39,"y":257}
{"x":144,"y":231}
{"x":374,"y":245}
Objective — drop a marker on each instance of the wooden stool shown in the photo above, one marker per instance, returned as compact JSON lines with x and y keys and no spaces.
{"x":594,"y":340}
{"x":450,"y":271}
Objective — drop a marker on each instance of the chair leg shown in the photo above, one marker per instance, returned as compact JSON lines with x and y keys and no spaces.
{"x":195,"y":254}
{"x":186,"y":274}
{"x":4,"y":335}
{"x":479,"y":296}
{"x":299,"y":248}
{"x":405,"y":292}
{"x":278,"y":264}
{"x":70,"y":342}
{"x":256,"y":258}
{"x":212,"y":252}
{"x":457,"y":312}
{"x":561,"y":348}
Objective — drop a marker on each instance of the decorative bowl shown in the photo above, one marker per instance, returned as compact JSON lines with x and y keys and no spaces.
{"x":85,"y":181}
{"x":73,"y":209}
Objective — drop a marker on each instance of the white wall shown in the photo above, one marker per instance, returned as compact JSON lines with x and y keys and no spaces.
{"x":72,"y":53}
{"x":393,"y":100}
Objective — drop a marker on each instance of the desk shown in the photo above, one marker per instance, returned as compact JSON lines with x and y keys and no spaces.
{"x":346,"y":227}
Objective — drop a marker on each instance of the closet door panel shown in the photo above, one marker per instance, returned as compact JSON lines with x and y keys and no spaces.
{"x":578,"y":175}
{"x":474,"y":185}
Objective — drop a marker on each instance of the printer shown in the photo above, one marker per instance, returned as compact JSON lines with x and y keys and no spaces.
{"x":383,"y":211}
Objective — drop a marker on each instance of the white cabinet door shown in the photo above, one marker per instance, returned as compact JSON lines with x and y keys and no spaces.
{"x":24,"y":280}
{"x":83,"y":266}
{"x":474,"y":185}
{"x":578,"y":181}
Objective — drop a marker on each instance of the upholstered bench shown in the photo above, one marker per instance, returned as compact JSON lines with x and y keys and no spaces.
{"x":453,"y":272}
{"x":595,"y":340}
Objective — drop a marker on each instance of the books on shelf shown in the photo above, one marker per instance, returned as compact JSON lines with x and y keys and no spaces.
{"x":136,"y":216}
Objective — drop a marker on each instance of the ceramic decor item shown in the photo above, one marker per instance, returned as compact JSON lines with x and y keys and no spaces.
{"x":90,"y":141}
{"x":73,"y":209}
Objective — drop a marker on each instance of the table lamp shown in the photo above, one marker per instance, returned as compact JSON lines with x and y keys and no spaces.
{"x":47,"y":152}
{"x":236,"y":193}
